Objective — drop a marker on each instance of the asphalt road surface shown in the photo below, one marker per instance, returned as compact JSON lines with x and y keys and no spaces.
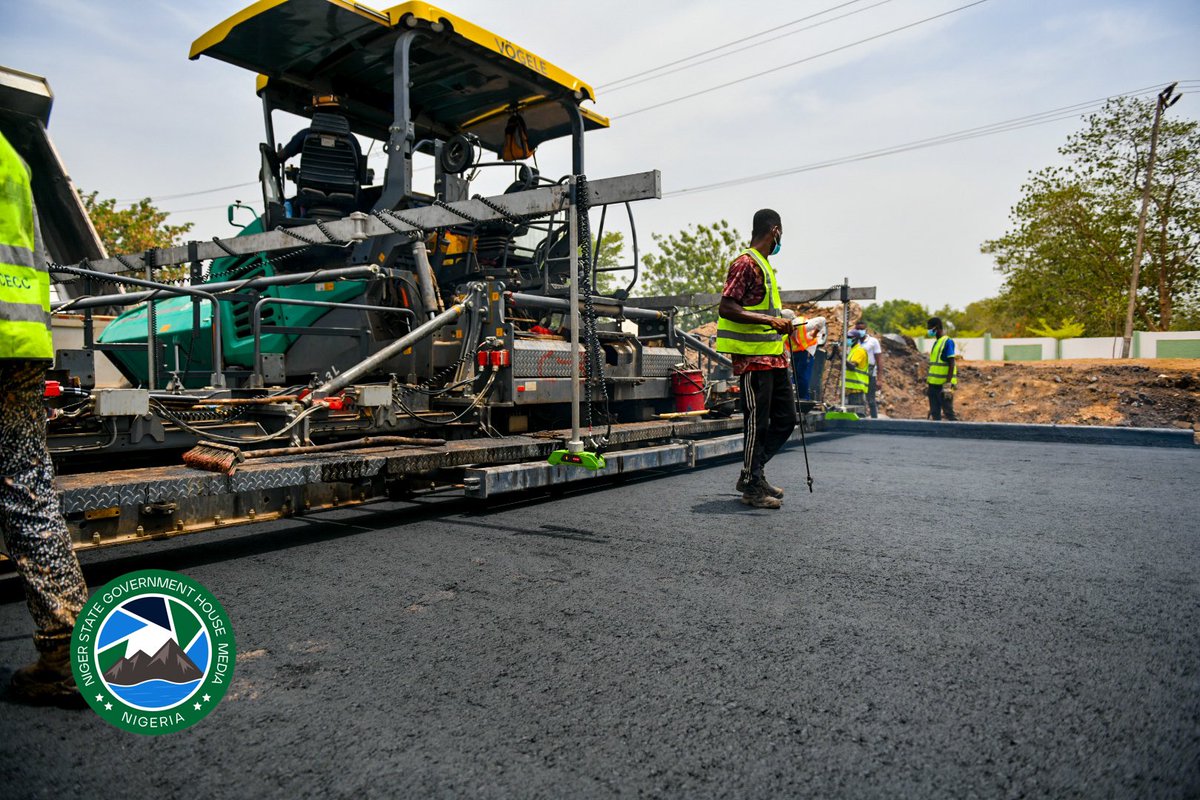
{"x":943,"y":618}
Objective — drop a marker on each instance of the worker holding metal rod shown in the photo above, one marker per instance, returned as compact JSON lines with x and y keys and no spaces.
{"x":750,"y":329}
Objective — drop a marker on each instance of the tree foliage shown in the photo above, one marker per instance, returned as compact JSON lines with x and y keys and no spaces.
{"x":1069,"y":329}
{"x":894,"y":316}
{"x":693,"y":260}
{"x":990,"y":315}
{"x":134,"y":229}
{"x":1070,"y":251}
{"x":610,"y":247}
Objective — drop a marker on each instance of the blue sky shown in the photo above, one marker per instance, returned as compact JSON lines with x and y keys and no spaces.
{"x":134,"y":118}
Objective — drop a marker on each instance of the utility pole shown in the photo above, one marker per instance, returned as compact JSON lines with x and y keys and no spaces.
{"x":1165,"y":101}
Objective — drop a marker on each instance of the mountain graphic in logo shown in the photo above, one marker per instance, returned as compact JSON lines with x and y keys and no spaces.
{"x":170,"y":664}
{"x":152,"y":652}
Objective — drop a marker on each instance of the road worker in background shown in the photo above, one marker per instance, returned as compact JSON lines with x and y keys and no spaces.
{"x":857,"y":374}
{"x":943,"y":372}
{"x":806,"y":336}
{"x":874,"y":367}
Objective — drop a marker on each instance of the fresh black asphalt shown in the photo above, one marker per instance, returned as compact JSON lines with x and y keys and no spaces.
{"x":943,"y":618}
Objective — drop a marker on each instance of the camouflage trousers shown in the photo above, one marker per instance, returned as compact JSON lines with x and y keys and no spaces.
{"x":35,"y":534}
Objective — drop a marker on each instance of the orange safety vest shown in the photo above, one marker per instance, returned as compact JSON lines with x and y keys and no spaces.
{"x":798,"y":339}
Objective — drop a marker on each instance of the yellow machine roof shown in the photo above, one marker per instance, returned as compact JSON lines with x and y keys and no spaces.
{"x":464,"y":78}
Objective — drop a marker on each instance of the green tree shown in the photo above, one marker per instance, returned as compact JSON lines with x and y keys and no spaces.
{"x":135,"y":229}
{"x":1069,"y":329}
{"x":610,"y":247}
{"x":990,"y":315}
{"x":1070,"y":251}
{"x":892,"y":316}
{"x":693,"y":260}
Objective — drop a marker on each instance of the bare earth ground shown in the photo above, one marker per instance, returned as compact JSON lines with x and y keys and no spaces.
{"x":1142,"y":393}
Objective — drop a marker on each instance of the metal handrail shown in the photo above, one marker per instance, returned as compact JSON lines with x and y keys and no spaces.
{"x":218,"y":375}
{"x":131,"y":298}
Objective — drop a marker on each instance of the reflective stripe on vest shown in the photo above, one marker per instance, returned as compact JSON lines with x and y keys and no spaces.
{"x":753,"y":339}
{"x":857,"y":380}
{"x":24,"y":284}
{"x":798,"y":340}
{"x":939,"y":367}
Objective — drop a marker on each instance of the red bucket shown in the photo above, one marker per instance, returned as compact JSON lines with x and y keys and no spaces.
{"x":687,"y":386}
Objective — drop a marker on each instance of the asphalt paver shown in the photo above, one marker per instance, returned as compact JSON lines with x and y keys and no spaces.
{"x":942,"y":618}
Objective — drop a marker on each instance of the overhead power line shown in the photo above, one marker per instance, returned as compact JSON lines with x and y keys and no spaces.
{"x":199,"y":192}
{"x":714,"y":49}
{"x":1016,"y":123}
{"x":748,"y":47}
{"x":165,"y":197}
{"x":804,"y":60}
{"x":253,"y":204}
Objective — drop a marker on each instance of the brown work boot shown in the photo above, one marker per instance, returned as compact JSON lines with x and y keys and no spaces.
{"x":756,"y":495}
{"x":47,"y":681}
{"x":773,"y":491}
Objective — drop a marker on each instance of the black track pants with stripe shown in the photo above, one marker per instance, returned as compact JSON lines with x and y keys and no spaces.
{"x":770,"y":416}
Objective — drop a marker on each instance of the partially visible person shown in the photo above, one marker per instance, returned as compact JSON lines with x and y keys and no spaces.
{"x":943,"y":372}
{"x":857,"y":376}
{"x":874,"y":367}
{"x":327,"y":104}
{"x":806,"y":336}
{"x":35,"y":534}
{"x":327,"y":119}
{"x":750,"y":329}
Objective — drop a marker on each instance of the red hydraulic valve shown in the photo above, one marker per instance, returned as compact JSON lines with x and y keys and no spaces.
{"x":494,"y":358}
{"x":53,"y":389}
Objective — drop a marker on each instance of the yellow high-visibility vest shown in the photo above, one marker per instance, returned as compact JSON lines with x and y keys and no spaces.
{"x":939,"y":365}
{"x":857,"y":380}
{"x":24,"y":283}
{"x":753,"y":339}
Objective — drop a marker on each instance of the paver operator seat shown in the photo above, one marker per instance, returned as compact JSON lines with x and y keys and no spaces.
{"x":329,"y":180}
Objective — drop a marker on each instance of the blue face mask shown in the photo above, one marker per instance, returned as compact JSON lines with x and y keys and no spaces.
{"x":775,"y":250}
{"x":932,"y":333}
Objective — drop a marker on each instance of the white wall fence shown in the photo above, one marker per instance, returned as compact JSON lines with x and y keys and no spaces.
{"x":1171,"y":344}
{"x":68,"y":335}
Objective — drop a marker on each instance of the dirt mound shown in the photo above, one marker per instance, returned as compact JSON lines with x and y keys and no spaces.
{"x":1143,"y":393}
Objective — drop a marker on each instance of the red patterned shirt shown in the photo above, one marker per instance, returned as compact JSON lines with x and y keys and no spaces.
{"x":746,"y":286}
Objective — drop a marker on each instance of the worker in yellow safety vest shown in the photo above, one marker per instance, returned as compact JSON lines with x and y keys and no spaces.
{"x":750,"y":329}
{"x":857,"y":374}
{"x":943,"y":372}
{"x":30,"y":517}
